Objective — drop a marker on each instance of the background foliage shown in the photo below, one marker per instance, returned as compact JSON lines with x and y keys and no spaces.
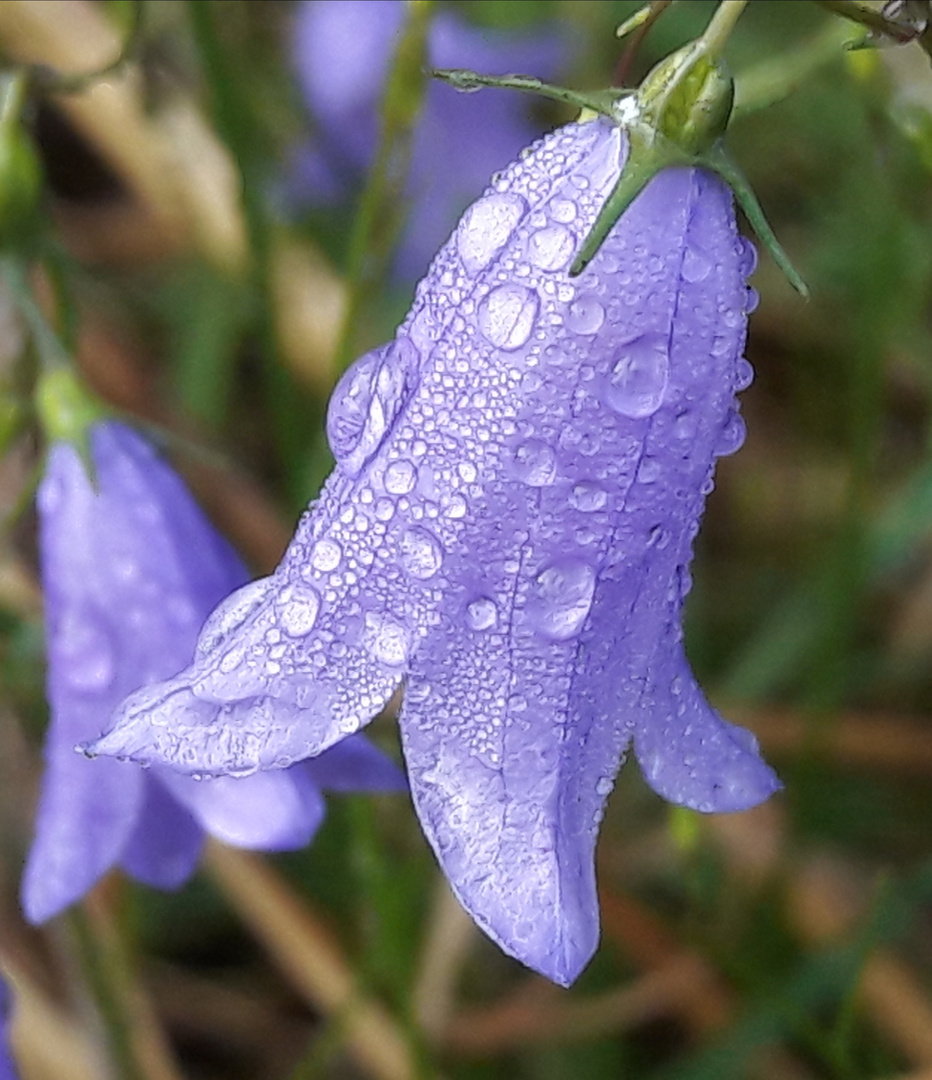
{"x":786,"y":943}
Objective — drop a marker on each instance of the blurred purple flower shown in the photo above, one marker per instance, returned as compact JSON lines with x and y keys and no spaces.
{"x":508,"y":531}
{"x":8,"y":1070}
{"x":130,"y":572}
{"x":342,"y":50}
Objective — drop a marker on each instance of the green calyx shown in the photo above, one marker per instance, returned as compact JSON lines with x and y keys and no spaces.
{"x":68,"y":411}
{"x":677,"y":117}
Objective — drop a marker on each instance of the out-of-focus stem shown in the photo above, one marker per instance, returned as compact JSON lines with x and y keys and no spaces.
{"x":379,"y":218}
{"x":136,"y":1041}
{"x":776,"y":78}
{"x":450,"y":934}
{"x":311,"y":959}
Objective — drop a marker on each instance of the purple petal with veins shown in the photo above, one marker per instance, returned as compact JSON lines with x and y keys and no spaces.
{"x":520,"y":477}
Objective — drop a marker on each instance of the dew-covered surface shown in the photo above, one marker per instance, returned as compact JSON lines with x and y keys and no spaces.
{"x":520,"y":478}
{"x":130,"y":568}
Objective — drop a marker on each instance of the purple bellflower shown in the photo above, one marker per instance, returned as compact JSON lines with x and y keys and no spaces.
{"x":520,"y":476}
{"x":342,"y":50}
{"x":130,"y":571}
{"x":8,"y":1069}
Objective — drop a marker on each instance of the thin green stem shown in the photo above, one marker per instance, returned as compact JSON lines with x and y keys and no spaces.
{"x":718,"y":31}
{"x":105,"y":979}
{"x":52,"y":353}
{"x":380,"y":215}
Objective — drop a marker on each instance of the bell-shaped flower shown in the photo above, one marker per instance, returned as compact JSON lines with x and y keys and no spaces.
{"x":508,"y":531}
{"x":342,"y":50}
{"x":130,"y":569}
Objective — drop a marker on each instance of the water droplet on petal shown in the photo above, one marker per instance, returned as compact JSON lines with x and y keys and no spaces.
{"x":588,"y":496}
{"x":300,"y":605}
{"x":562,"y":598}
{"x":486,"y":227}
{"x":696,"y":265}
{"x":456,"y":507}
{"x":649,"y":470}
{"x":551,"y":248}
{"x":482,"y":614}
{"x":744,"y":375}
{"x":732,"y":437}
{"x":366,"y":401}
{"x":387,"y":640}
{"x":420,"y":552}
{"x":232,"y":613}
{"x":747,"y":257}
{"x":604,"y":785}
{"x":467,"y":472}
{"x":326,"y":555}
{"x":84,"y":654}
{"x":535,"y":463}
{"x":585,"y":315}
{"x":751,"y":301}
{"x":400,"y":476}
{"x":506,"y":316}
{"x":639,"y":376}
{"x":563,"y":210}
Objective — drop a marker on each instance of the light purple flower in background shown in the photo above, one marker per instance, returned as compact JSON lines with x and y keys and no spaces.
{"x":342,"y":50}
{"x":130,"y":572}
{"x":508,"y":531}
{"x":8,"y":1069}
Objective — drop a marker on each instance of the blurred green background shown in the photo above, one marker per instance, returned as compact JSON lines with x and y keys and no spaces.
{"x":786,"y":943}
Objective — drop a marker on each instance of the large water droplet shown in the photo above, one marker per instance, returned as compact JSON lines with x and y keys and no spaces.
{"x":535,"y":463}
{"x":83,"y":654}
{"x":563,"y":210}
{"x":588,"y":496}
{"x":326,"y":555}
{"x":482,"y":614}
{"x":696,"y":265}
{"x":732,"y":437}
{"x":400,"y":476}
{"x":585,"y":315}
{"x":562,"y":598}
{"x":387,"y":640}
{"x":486,"y":227}
{"x":420,"y":552}
{"x":639,"y":376}
{"x":551,"y":248}
{"x":232,"y":613}
{"x":747,"y":257}
{"x":744,"y":375}
{"x":367,"y":400}
{"x":299,"y":607}
{"x":506,"y":316}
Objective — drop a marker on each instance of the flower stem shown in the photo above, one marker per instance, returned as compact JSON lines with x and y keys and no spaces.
{"x":136,"y":1041}
{"x":721,"y":25}
{"x":309,"y":956}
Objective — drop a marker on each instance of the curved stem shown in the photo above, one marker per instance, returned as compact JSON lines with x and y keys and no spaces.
{"x":721,"y":25}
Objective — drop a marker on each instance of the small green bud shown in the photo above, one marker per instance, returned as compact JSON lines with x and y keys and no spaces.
{"x":688,"y":98}
{"x":67,"y":409}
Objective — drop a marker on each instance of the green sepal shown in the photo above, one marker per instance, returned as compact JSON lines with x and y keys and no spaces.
{"x":719,"y":162}
{"x":68,"y":411}
{"x":648,"y":154}
{"x":603,"y":102}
